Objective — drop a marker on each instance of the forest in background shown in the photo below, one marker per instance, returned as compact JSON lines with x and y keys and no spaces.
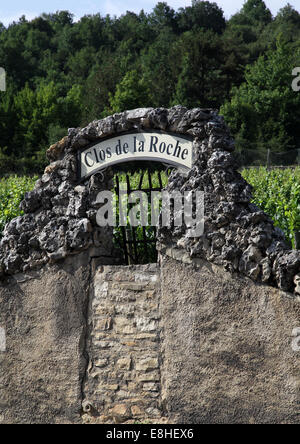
{"x":62,"y":73}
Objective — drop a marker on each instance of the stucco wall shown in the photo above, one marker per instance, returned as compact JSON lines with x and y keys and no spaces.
{"x":206,"y":345}
{"x":43,"y":315}
{"x":179,"y":342}
{"x":227,"y":347}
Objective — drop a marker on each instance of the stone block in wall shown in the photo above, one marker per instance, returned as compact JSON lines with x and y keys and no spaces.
{"x":147,"y":364}
{"x":124,"y":347}
{"x":124,"y":363}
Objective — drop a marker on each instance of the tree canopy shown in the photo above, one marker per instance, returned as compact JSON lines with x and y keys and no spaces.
{"x":63,"y":73}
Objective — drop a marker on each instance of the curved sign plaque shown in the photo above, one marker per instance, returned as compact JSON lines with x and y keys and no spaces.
{"x":167,"y":148}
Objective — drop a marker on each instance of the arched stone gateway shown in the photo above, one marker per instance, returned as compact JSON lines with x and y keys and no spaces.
{"x":207,"y":335}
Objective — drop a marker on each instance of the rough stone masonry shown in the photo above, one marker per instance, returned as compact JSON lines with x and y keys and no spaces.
{"x":60,"y":214}
{"x":203,"y":336}
{"x":123,"y":377}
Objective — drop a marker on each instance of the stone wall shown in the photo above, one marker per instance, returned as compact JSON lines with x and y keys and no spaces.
{"x":60,"y":213}
{"x":186,"y":342}
{"x":181,"y":341}
{"x":227,"y":354}
{"x":123,"y":377}
{"x":203,"y":337}
{"x":43,"y":316}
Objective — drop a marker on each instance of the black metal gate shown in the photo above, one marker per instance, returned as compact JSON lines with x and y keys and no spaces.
{"x":138,"y":244}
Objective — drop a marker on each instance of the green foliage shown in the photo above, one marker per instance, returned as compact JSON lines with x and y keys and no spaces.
{"x":277,"y":192}
{"x":150,"y":254}
{"x":35,"y":111}
{"x":12,"y":191}
{"x":264,"y":111}
{"x":160,"y":62}
{"x":131,"y":93}
{"x":201,"y":58}
{"x":202,"y":15}
{"x":62,"y":73}
{"x":256,"y":12}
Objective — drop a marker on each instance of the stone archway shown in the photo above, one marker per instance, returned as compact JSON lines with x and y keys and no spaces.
{"x":225,"y":302}
{"x":59,"y":218}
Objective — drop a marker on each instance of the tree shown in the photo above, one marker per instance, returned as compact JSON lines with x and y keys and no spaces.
{"x":253,"y":12}
{"x":59,"y":19}
{"x":288,"y":14}
{"x":287,"y":23}
{"x":157,"y":68}
{"x":35,"y":111}
{"x":257,"y":11}
{"x":131,"y":93}
{"x":200,"y":81}
{"x":264,"y":111}
{"x":201,"y":15}
{"x":79,"y":64}
{"x":163,"y":17}
{"x":100,"y":84}
{"x":249,"y":27}
{"x":8,"y":120}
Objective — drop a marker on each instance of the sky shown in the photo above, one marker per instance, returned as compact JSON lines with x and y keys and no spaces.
{"x":13,"y":10}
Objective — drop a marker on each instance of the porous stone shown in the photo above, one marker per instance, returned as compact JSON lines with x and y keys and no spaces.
{"x":120,"y":412}
{"x":200,"y":341}
{"x":297,"y":283}
{"x":60,"y":214}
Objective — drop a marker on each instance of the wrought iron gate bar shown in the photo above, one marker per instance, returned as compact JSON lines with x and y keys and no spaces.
{"x":160,"y":181}
{"x":141,"y":180}
{"x":129,"y":241}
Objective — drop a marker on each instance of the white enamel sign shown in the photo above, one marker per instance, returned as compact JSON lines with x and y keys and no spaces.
{"x":166,"y":148}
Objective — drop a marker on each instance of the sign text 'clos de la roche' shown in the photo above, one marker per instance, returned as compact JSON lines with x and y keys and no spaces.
{"x":166,"y":148}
